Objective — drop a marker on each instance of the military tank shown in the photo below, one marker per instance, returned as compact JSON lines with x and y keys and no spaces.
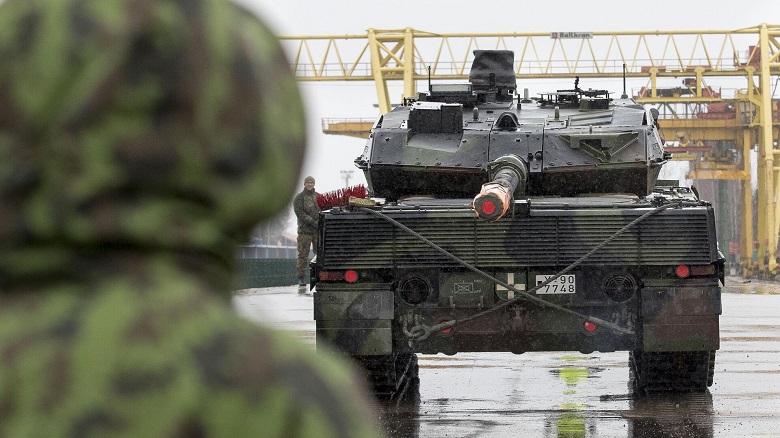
{"x":499,"y":222}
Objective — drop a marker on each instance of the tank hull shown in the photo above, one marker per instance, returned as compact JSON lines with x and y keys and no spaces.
{"x":402,"y":283}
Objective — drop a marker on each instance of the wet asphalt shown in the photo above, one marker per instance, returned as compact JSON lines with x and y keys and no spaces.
{"x":568,"y":394}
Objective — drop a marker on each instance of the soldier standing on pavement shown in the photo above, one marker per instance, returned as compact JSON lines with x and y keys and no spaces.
{"x":141,"y":142}
{"x":308,"y":213}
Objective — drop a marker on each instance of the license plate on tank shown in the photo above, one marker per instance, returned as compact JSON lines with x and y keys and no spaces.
{"x":565,"y":284}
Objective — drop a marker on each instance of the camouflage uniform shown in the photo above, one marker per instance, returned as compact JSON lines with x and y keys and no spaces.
{"x":140,"y":142}
{"x":307,"y":211}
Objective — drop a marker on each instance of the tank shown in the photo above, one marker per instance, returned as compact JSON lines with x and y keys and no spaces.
{"x":500,"y":222}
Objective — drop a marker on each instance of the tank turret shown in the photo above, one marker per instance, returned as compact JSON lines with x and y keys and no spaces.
{"x":477,"y":138}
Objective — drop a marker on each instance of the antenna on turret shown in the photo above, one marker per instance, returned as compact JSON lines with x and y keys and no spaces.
{"x":429,"y":78}
{"x":624,"y":96}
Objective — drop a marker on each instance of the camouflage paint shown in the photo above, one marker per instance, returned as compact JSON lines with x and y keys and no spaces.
{"x":356,"y":319}
{"x":681,"y":318}
{"x":552,"y":235}
{"x":140,"y":141}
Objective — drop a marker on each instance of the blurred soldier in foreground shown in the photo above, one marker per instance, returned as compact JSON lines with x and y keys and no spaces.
{"x":140,"y":142}
{"x":308,"y":213}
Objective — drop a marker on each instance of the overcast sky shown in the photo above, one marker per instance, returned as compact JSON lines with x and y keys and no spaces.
{"x":328,"y":155}
{"x":296,"y":17}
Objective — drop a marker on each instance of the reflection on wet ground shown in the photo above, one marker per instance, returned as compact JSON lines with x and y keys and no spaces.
{"x":401,"y":419}
{"x":687,"y":415}
{"x":750,"y":286}
{"x":584,"y":415}
{"x":574,"y":395}
{"x":577,"y":395}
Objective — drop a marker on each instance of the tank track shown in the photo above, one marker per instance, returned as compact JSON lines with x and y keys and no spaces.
{"x":671,"y":372}
{"x":394,"y":377}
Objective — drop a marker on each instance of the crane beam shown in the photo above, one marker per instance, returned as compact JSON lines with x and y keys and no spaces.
{"x":406,"y":54}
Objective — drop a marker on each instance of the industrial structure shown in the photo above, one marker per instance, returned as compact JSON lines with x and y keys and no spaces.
{"x":718,"y":129}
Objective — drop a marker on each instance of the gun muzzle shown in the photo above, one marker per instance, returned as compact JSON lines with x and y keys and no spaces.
{"x":493,"y":201}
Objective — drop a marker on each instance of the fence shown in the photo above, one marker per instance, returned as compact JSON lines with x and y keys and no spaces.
{"x":266,"y":266}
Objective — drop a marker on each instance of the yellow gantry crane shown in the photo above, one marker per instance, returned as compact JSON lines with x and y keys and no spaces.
{"x":716,"y":130}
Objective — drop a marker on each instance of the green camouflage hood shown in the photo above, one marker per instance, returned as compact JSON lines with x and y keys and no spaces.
{"x":117,"y":131}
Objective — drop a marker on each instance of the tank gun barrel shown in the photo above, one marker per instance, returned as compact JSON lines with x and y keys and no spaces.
{"x":509,"y":177}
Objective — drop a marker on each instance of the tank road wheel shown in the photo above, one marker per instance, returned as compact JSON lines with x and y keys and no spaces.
{"x":394,"y":377}
{"x":672,"y":371}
